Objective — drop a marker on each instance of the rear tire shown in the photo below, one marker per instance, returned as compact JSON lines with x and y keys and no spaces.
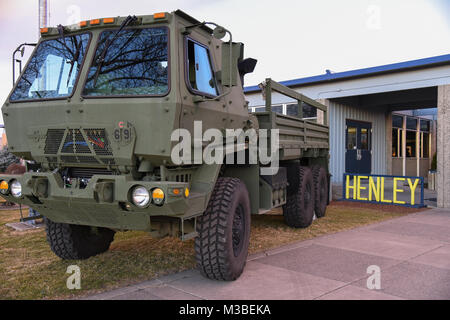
{"x":298,"y":211}
{"x":320,"y":191}
{"x":74,"y":242}
{"x":293,"y":175}
{"x":221,"y":247}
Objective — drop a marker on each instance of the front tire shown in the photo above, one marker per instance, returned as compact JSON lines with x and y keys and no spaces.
{"x":221,"y":247}
{"x":74,"y":242}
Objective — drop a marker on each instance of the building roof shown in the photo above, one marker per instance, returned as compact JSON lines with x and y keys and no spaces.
{"x":366,"y":72}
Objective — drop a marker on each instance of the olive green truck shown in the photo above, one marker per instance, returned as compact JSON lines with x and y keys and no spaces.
{"x":94,"y":112}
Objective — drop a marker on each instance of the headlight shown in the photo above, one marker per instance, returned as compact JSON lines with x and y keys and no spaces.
{"x":4,"y":187}
{"x":16,"y":189}
{"x":158,"y":196}
{"x":140,"y":197}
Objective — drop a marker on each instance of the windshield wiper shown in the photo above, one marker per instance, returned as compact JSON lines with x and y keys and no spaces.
{"x":75,"y":56}
{"x":101,"y":58}
{"x":72,"y":62}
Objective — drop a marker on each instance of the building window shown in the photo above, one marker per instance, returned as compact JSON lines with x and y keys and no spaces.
{"x":259,"y":109}
{"x":411,"y":123}
{"x":351,"y":138}
{"x":397,"y":143}
{"x":292,"y":110}
{"x":397,"y":121}
{"x":411,"y":143}
{"x":308,"y":110}
{"x":425,"y":145}
{"x":277,"y":109}
{"x":365,"y":139}
{"x":424,"y":125}
{"x":417,"y":137}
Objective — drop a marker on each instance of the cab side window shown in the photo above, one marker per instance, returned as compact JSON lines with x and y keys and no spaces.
{"x":200,"y":72}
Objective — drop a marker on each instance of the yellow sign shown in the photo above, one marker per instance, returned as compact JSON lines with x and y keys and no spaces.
{"x":383,"y":189}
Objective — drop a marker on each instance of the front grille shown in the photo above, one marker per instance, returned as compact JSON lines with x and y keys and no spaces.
{"x":79,"y":146}
{"x":88,"y":173}
{"x":108,"y":161}
{"x":179,"y":177}
{"x":87,"y":160}
{"x":69,"y":159}
{"x":78,"y":159}
{"x":52,"y":159}
{"x":75,"y":143}
{"x":183,"y":177}
{"x":68,"y":146}
{"x":99,"y":141}
{"x":53,"y":140}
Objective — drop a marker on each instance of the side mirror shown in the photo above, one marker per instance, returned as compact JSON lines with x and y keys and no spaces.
{"x":219,"y":32}
{"x":20,"y":49}
{"x":246,"y":66}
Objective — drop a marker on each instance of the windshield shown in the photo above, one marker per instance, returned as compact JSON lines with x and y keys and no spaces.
{"x":135,"y":63}
{"x":53,"y":69}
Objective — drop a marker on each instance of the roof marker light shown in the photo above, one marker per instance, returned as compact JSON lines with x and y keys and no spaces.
{"x":160,"y":15}
{"x":94,"y":22}
{"x":44,"y":30}
{"x":83,"y":24}
{"x":108,"y":20}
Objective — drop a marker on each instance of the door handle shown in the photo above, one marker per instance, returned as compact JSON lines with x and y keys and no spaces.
{"x":358,"y":155}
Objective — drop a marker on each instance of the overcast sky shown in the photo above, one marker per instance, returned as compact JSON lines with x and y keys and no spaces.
{"x":291,"y":39}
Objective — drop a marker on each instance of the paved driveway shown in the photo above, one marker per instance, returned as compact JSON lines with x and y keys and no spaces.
{"x":412,"y":252}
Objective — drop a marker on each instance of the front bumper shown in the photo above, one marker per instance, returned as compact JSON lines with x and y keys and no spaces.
{"x":105,"y":202}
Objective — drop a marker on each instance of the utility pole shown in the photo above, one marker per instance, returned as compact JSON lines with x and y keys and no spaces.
{"x":43,"y":15}
{"x":43,"y":23}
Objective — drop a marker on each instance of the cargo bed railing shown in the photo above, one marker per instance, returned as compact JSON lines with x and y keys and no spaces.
{"x":269,"y":85}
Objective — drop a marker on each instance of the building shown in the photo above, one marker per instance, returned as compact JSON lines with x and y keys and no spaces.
{"x":4,"y":142}
{"x":383,"y":120}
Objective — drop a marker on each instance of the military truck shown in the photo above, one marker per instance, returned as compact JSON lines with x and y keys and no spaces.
{"x":95,"y":109}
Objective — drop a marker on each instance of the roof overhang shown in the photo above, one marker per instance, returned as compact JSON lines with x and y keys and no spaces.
{"x":362,"y":73}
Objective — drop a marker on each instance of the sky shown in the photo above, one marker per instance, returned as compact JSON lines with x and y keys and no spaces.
{"x":289,"y":38}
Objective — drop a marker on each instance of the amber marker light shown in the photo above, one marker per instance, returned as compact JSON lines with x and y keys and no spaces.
{"x":186,"y":192}
{"x":158,"y":196}
{"x":44,"y":30}
{"x":4,"y":187}
{"x":160,"y":15}
{"x":108,"y":20}
{"x":94,"y":22}
{"x":83,"y":24}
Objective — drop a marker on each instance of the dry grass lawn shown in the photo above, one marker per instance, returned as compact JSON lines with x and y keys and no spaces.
{"x":29,"y":270}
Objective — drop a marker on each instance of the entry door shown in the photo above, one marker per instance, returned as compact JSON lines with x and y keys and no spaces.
{"x":358,"y":155}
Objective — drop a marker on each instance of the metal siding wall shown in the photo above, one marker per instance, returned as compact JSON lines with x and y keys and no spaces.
{"x":338,"y":115}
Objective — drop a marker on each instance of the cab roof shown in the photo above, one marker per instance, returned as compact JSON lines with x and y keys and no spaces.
{"x":117,"y":21}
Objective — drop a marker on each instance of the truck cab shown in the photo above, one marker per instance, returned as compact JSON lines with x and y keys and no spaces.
{"x":96,"y":107}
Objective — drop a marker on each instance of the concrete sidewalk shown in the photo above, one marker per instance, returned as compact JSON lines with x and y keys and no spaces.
{"x":413,"y":253}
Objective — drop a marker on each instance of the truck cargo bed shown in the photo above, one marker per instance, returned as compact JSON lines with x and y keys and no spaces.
{"x":298,"y":138}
